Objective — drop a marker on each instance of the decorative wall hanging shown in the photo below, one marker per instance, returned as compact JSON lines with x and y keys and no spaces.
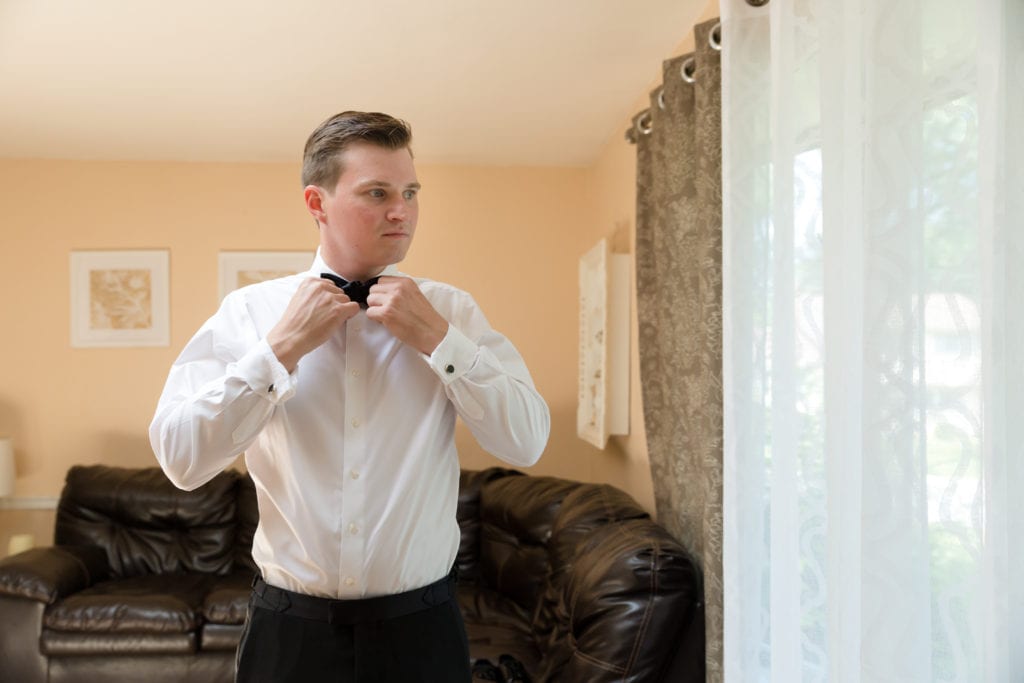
{"x":603,"y":405}
{"x":241,"y":268}
{"x":120,"y":298}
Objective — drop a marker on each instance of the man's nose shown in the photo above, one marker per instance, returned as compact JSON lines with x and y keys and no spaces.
{"x":398,"y":211}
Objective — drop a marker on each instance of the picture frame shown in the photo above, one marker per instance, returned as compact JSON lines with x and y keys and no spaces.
{"x":602,"y":407}
{"x":120,"y":298}
{"x":237,"y":269}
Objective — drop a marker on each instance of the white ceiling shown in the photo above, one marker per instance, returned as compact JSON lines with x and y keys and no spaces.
{"x":543,"y":82}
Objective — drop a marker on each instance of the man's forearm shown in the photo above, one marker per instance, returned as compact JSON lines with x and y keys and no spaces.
{"x":197,"y":431}
{"x":492,"y":392}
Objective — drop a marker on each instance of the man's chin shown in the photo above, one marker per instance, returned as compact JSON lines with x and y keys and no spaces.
{"x":399,"y":250}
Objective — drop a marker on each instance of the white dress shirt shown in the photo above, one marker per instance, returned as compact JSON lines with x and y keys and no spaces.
{"x":353,"y":453}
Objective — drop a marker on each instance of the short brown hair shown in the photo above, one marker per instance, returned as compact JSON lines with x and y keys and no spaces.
{"x":320,"y":163}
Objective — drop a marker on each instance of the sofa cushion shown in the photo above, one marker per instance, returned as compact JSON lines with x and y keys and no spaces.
{"x":147,"y":525}
{"x":497,"y":626}
{"x":485,"y":606}
{"x":67,"y":644}
{"x":228,"y":599}
{"x":199,"y":667}
{"x":169,"y":603}
{"x":220,"y":637}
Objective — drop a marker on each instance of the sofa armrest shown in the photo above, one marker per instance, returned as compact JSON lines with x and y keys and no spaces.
{"x":628,"y":603}
{"x":46,"y":574}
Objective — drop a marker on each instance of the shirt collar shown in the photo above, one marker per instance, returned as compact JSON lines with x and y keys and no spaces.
{"x":320,"y":266}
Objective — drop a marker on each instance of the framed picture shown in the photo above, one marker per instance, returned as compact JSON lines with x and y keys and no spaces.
{"x":602,"y":407}
{"x":120,"y":298}
{"x":241,"y":268}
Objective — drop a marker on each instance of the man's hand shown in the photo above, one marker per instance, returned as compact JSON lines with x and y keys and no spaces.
{"x":316,"y":310}
{"x":399,"y":305}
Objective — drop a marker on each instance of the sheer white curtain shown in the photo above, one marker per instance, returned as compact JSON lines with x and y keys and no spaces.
{"x":873,"y":295}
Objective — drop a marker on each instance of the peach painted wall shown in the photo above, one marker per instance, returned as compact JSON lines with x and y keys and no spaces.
{"x":511,"y":236}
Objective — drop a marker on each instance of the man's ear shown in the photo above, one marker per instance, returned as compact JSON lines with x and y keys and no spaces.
{"x":314,"y":197}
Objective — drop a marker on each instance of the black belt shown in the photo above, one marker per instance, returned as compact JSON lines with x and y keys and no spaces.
{"x":349,"y":612}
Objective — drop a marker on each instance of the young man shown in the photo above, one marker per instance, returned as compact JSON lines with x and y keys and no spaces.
{"x":344,"y":402}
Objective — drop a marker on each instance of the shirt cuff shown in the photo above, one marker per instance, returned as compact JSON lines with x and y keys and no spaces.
{"x":454,"y":356}
{"x":265,"y":375}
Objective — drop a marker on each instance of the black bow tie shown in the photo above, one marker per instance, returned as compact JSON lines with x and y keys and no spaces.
{"x":356,"y":291}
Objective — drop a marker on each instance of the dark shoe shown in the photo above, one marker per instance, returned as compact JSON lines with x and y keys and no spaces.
{"x":513,"y":670}
{"x":483,"y":670}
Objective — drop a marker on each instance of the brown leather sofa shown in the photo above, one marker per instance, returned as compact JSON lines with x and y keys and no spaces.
{"x":149,"y":583}
{"x":575,"y":581}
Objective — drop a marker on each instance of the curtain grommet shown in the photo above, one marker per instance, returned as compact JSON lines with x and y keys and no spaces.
{"x":715,"y":37}
{"x":688,"y":70}
{"x":661,"y":98}
{"x":645,"y":123}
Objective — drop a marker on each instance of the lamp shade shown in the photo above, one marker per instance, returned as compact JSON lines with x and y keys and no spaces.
{"x":6,"y":467}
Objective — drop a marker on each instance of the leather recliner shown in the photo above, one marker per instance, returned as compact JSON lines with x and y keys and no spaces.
{"x":145,"y":582}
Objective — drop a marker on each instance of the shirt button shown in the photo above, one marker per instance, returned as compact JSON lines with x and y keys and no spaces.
{"x":359,"y":328}
{"x":349,"y":581}
{"x":353,"y":529}
{"x":354,"y":474}
{"x":355,"y":373}
{"x":450,"y":369}
{"x":355,"y":423}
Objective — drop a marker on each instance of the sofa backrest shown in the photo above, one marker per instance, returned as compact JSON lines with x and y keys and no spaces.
{"x":517,"y":515}
{"x":526,"y":529}
{"x":468,"y":514}
{"x":148,"y":526}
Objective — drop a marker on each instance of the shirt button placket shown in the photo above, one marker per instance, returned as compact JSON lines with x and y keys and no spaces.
{"x":352,"y":560}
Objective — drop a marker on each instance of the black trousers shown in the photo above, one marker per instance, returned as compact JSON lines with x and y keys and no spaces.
{"x":428,"y":645}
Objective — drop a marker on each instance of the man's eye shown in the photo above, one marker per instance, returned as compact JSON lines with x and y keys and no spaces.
{"x":409,"y":194}
{"x":377,"y":193}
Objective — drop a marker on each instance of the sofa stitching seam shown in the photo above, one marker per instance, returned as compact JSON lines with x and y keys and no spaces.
{"x":607,"y":666}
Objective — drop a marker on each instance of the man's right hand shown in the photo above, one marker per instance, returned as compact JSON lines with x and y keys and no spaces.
{"x":316,"y":310}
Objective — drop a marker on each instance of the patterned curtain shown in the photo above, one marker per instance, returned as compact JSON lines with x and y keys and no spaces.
{"x":679,"y":292}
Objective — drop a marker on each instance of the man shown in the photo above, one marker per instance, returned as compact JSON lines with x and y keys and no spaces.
{"x":345,"y":409}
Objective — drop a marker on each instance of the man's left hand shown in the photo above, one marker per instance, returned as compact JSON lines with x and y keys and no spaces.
{"x":399,"y":305}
